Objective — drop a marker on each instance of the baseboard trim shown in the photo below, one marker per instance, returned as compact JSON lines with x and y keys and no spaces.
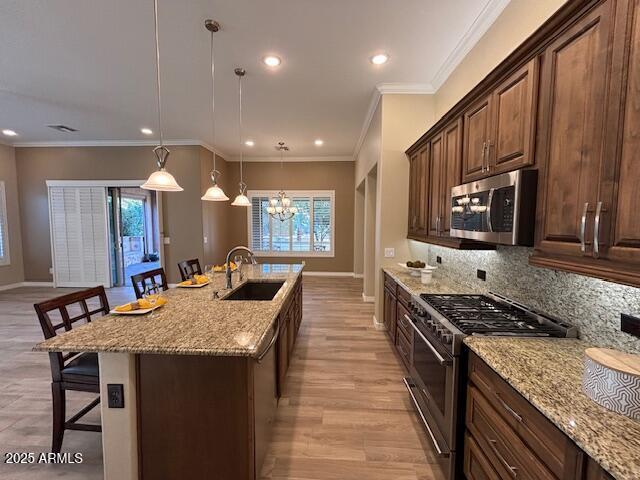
{"x":368,"y":299}
{"x":327,"y":274}
{"x":377,"y":325}
{"x":11,"y":286}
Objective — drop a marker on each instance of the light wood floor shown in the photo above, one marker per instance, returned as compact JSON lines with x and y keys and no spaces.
{"x":345,"y":413}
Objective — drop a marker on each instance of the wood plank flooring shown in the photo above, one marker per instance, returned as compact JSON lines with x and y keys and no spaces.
{"x":345,"y":413}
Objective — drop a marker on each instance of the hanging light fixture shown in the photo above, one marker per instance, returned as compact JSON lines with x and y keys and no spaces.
{"x":241,"y":199}
{"x":280,"y":206}
{"x":214,"y":193}
{"x":160,"y":180}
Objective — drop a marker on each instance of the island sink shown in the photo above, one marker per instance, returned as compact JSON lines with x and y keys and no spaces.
{"x":256,"y":291}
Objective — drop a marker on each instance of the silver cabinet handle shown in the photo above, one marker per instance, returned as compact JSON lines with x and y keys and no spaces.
{"x":512,"y":470}
{"x":510,"y":410}
{"x":443,"y":361}
{"x":488,"y":155}
{"x":437,"y":447}
{"x":596,"y":231}
{"x":484,"y":154}
{"x":583,"y":228}
{"x":438,"y":225}
{"x":271,"y":343}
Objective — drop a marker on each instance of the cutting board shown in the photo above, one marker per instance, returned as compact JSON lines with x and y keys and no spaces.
{"x":612,"y":379}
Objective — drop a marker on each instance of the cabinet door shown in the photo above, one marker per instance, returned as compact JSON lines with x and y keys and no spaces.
{"x":418,"y":201}
{"x":283,"y":355}
{"x":575,"y":71}
{"x":451,"y":171}
{"x":436,"y":163}
{"x":622,"y":241}
{"x":513,"y":110}
{"x":413,"y":193}
{"x":476,"y":134}
{"x":390,"y":314}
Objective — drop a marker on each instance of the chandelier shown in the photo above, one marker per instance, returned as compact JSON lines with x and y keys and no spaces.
{"x":280,"y":206}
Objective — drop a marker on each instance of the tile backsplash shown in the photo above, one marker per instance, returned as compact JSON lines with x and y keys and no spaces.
{"x":593,"y":305}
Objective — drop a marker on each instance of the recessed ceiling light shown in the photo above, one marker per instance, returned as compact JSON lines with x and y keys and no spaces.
{"x":146,"y":131}
{"x":319,"y":143}
{"x":9,"y":133}
{"x":379,"y":59}
{"x":272,"y":61}
{"x":249,"y":143}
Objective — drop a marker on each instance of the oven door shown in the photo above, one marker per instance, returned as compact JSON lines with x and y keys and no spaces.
{"x":433,"y":387}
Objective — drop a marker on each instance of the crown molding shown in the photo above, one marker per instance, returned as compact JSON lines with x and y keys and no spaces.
{"x":478,"y":28}
{"x":118,"y":143}
{"x":388,"y":89}
{"x":405,"y":88}
{"x":325,"y":158}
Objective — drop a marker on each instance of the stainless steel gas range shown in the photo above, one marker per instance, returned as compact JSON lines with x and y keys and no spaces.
{"x":440,"y":323}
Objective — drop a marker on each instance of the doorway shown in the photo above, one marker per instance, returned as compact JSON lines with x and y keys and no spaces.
{"x":134,"y":234}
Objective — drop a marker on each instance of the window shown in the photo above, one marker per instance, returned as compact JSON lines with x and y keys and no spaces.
{"x":309,"y":233}
{"x":4,"y":228}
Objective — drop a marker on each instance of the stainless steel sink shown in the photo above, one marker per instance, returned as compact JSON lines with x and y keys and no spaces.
{"x":263,"y":291}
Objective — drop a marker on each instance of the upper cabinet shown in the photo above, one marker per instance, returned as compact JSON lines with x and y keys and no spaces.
{"x":588,"y":203}
{"x":418,"y":189}
{"x":499,"y":128}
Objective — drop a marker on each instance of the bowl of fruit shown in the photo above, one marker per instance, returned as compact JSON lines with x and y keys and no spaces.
{"x":416,"y":267}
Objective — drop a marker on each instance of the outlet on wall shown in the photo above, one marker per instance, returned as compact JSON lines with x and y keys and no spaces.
{"x":166,"y":240}
{"x":50,"y":270}
{"x":206,"y":239}
{"x":389,"y":252}
{"x":438,"y":259}
{"x":482,"y":275}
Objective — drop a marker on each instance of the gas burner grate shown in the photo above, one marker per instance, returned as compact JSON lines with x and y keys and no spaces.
{"x":480,"y":314}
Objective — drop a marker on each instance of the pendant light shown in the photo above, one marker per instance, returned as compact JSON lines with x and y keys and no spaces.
{"x":280,"y":206}
{"x":214,"y":193}
{"x":241,"y":199}
{"x":160,"y":180}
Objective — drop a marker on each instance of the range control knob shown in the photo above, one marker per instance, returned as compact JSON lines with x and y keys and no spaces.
{"x":447,"y":338}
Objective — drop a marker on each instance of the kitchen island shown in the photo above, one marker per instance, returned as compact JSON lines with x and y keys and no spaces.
{"x":201,"y":378}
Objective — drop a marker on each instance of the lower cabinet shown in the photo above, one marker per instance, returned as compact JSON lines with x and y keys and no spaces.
{"x":507,"y":437}
{"x":396,"y":303}
{"x":290,"y":321}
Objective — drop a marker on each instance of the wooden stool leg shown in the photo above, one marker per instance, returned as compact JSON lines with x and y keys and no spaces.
{"x":59,"y":412}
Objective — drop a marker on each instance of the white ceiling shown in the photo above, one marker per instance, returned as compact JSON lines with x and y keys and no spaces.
{"x":90,"y":64}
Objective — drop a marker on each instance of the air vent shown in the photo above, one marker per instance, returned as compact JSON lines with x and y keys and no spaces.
{"x":63,"y":128}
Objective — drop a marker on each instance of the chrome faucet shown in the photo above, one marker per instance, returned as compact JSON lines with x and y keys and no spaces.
{"x":228,"y":262}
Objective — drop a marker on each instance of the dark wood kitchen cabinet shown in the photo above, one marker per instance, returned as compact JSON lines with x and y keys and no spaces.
{"x":444,"y":173}
{"x":499,"y":129}
{"x":418,"y":189}
{"x":396,"y":306}
{"x":390,"y":309}
{"x":507,"y":437}
{"x":290,"y":320}
{"x":588,"y":201}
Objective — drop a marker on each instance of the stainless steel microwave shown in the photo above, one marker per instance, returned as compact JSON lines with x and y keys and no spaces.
{"x":498,"y":209}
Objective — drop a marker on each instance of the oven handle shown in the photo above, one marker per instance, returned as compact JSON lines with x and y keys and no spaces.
{"x":443,"y":361}
{"x":439,"y":450}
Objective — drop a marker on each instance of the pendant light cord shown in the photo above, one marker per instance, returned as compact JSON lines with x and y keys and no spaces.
{"x":240,"y":122}
{"x":213,"y":103}
{"x":155,"y":13}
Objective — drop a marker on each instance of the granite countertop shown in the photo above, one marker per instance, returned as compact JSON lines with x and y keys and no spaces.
{"x":191,"y":323}
{"x":548,"y":373}
{"x":413,"y":285}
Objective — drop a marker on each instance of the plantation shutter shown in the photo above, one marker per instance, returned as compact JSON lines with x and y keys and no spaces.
{"x":260,"y":241}
{"x":79,"y":236}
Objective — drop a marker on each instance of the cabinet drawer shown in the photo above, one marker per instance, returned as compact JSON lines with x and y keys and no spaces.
{"x":557,"y":451}
{"x":403,"y":323}
{"x":476,"y":465}
{"x":404,"y":297}
{"x":404,"y":349}
{"x":507,"y":453}
{"x":390,"y":284}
